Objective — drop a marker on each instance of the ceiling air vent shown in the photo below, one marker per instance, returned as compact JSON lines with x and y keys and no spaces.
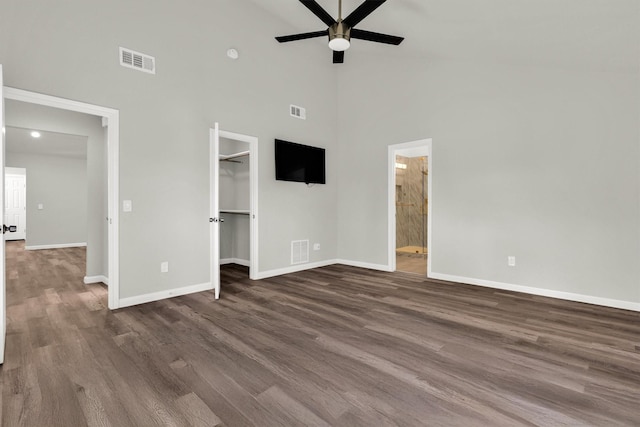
{"x":299,"y":251}
{"x":298,"y":112}
{"x":137,"y":61}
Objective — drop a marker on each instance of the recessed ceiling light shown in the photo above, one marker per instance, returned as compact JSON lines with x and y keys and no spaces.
{"x":35,"y":134}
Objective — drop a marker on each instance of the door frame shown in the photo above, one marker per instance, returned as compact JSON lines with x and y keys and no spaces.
{"x":215,"y":134}
{"x":3,"y":276}
{"x":214,"y":210}
{"x":112,"y":118}
{"x":397,"y":149}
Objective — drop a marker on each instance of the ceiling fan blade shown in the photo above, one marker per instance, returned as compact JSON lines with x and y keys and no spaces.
{"x":375,"y":37}
{"x":302,"y":36}
{"x":319,"y":11}
{"x":338,"y":57}
{"x":362,"y":12}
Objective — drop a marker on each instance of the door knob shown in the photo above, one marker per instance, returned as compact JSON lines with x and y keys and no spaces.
{"x":11,"y":228}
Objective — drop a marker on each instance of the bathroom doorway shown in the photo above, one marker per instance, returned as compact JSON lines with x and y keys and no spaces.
{"x":411,"y":214}
{"x":409,"y":209}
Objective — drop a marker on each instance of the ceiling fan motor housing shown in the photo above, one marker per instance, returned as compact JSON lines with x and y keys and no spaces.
{"x":339,"y":31}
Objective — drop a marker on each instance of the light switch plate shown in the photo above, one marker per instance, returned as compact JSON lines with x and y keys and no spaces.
{"x":127,"y":206}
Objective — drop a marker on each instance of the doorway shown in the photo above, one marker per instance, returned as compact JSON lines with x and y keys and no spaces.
{"x":410,"y":204}
{"x":110,"y":137}
{"x":234,"y":202}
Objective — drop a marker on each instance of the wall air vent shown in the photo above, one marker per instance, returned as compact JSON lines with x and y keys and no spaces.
{"x":298,"y":112}
{"x":137,"y":61}
{"x":299,"y":251}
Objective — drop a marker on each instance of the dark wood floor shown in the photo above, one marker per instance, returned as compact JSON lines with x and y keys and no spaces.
{"x":332,"y":346}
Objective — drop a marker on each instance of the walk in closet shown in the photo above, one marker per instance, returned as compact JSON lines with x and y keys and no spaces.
{"x":235,"y":202}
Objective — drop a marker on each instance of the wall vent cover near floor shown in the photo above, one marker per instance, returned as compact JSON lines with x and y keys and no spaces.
{"x":298,"y":112}
{"x":137,"y":61}
{"x":299,"y":251}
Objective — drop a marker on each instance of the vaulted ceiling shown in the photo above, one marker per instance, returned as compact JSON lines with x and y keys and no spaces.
{"x":595,"y":34}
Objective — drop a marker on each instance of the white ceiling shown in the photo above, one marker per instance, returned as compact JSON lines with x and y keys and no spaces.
{"x":19,"y":140}
{"x":596,"y":34}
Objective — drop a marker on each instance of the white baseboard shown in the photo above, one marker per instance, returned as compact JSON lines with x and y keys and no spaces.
{"x":56,"y":246}
{"x":293,"y":269}
{"x":243,"y":262}
{"x":96,"y":279}
{"x":625,"y":305}
{"x":157,"y":296}
{"x":370,"y":266}
{"x":588,"y":299}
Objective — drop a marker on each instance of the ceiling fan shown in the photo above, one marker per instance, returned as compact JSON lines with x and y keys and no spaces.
{"x":341,"y":31}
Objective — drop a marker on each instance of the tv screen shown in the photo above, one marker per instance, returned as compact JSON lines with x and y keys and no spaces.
{"x":299,"y":163}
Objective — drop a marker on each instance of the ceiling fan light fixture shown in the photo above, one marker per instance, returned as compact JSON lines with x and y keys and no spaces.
{"x":340,"y":31}
{"x":339,"y":37}
{"x":339,"y":44}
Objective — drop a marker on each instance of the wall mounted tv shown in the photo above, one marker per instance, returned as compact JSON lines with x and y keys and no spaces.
{"x":299,"y":163}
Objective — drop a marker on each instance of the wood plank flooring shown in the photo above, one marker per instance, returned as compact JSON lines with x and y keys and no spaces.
{"x":336,"y":346}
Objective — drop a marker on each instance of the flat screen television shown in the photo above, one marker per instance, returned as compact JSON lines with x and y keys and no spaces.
{"x":299,"y":163}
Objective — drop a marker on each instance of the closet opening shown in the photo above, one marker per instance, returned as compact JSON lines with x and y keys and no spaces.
{"x":234,"y":208}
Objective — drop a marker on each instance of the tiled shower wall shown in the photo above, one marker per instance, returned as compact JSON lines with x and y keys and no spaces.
{"x":411,"y":202}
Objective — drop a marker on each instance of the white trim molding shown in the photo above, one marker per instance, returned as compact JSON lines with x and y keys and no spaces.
{"x":243,"y":262}
{"x":88,"y":280}
{"x":294,"y":269}
{"x":368,"y":265}
{"x":588,"y":299}
{"x":55,"y":246}
{"x":170,"y":293}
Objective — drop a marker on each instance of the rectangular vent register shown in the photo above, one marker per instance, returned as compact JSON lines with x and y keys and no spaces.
{"x":138,"y":61}
{"x":299,"y":251}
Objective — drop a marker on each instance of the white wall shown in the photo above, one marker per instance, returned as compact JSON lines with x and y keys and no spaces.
{"x":70,"y":49}
{"x":532,"y":162}
{"x":31,"y":116}
{"x":537,"y":163}
{"x":60,"y":184}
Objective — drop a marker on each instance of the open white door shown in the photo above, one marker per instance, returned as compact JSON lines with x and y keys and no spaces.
{"x":214,"y":196}
{"x":3,"y":302}
{"x":15,"y":203}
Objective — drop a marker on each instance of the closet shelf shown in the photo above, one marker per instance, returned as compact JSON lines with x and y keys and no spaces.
{"x":236,"y":211}
{"x":234,"y":155}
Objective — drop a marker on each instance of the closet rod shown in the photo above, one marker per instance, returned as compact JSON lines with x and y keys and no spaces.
{"x":233,"y":156}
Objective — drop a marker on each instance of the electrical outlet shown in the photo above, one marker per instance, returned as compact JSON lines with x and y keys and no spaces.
{"x":316,"y":246}
{"x":511,"y":261}
{"x":164,"y":267}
